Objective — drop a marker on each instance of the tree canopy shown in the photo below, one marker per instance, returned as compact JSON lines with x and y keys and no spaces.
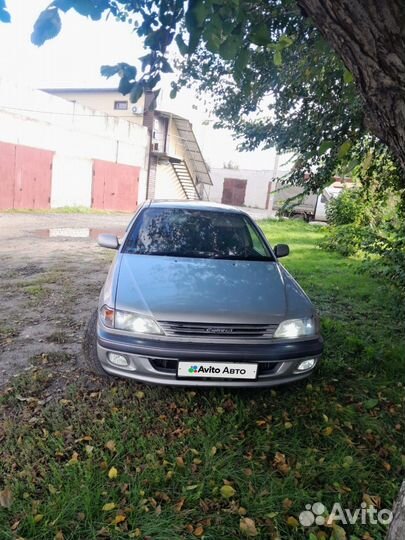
{"x":294,"y":74}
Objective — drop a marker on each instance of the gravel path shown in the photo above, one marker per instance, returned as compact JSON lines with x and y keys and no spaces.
{"x":51,"y":273}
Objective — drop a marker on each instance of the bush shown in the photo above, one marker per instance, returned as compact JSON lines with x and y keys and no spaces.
{"x":368,"y":223}
{"x":345,"y":209}
{"x":345,"y":239}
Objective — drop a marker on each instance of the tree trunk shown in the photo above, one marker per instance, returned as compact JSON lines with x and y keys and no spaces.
{"x":397,"y":527}
{"x":369,"y":36}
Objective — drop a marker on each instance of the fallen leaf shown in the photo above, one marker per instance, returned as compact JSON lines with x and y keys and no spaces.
{"x":112,"y":473}
{"x":247,"y":527}
{"x":328,"y":431}
{"x":227,"y":491}
{"x":59,"y":536}
{"x":372,"y":500}
{"x":179,"y":505}
{"x":192,"y":487}
{"x":38,"y":518}
{"x":110,"y":445}
{"x":287,"y":504}
{"x":179,"y":461}
{"x":338,"y":533}
{"x":198,"y":531}
{"x":74,"y":459}
{"x":118,"y":519}
{"x":139,"y":394}
{"x":280,"y":463}
{"x":292,"y":522}
{"x":108,"y":506}
{"x":6,"y":498}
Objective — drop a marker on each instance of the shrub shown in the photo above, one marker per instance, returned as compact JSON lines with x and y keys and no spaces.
{"x":345,"y":209}
{"x":367,"y":222}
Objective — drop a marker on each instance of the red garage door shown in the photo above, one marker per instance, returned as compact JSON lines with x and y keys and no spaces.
{"x":7,"y":169}
{"x":234,"y":191}
{"x":115,"y":186}
{"x":25,"y":175}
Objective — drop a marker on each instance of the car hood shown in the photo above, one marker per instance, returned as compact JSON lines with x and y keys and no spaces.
{"x":206,"y":290}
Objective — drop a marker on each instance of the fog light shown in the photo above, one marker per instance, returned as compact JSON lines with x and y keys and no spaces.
{"x":118,"y":359}
{"x":306,"y":364}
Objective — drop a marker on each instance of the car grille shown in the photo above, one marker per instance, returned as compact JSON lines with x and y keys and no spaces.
{"x":218,"y":331}
{"x":169,"y":365}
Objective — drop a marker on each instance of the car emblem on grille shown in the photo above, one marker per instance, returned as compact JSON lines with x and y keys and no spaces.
{"x":219,"y":330}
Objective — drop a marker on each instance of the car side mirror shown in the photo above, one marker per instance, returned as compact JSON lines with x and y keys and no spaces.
{"x":108,"y":241}
{"x":281,"y":250}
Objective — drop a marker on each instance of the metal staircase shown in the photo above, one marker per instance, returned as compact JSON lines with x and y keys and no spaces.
{"x":186,"y":180}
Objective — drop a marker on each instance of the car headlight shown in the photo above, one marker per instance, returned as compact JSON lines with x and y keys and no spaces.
{"x":293,"y":328}
{"x":129,"y":321}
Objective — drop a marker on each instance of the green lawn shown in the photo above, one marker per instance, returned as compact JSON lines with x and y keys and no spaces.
{"x":117,"y":460}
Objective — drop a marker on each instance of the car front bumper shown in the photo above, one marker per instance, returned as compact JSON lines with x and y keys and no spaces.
{"x":155,"y":361}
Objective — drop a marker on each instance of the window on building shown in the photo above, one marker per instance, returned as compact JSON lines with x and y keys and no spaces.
{"x":121,"y":105}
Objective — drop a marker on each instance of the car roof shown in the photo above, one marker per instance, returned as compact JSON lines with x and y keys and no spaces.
{"x":195,"y":205}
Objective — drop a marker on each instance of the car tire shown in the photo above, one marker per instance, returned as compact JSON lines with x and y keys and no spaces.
{"x":90,"y":347}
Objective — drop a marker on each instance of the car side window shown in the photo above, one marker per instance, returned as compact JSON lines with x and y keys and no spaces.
{"x":257,"y":242}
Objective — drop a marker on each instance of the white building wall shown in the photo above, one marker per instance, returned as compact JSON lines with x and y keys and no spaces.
{"x":167,"y":185}
{"x":256,"y":188}
{"x":75,"y":133}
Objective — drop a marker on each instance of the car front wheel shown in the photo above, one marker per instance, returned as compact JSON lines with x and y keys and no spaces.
{"x":90,"y":347}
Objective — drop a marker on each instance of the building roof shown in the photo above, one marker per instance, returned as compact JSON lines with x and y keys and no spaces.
{"x":78,"y":90}
{"x":186,"y":133}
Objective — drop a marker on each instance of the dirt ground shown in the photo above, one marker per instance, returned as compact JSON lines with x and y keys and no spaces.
{"x":51,"y":272}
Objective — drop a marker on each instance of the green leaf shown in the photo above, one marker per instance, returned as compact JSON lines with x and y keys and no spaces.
{"x":242,"y":60}
{"x":370,"y":404}
{"x":136,"y":92}
{"x":47,"y":26}
{"x":166,"y":67}
{"x":347,"y":76}
{"x":344,"y":149}
{"x":285,"y":41}
{"x":181,"y":44}
{"x":109,"y":71}
{"x":227,"y":491}
{"x":125,"y":86}
{"x":325,"y":145}
{"x":230,"y":47}
{"x":277,"y":58}
{"x":200,"y":11}
{"x":260,"y":35}
{"x":367,"y":161}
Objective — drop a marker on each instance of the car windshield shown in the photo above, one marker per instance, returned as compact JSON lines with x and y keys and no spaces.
{"x":181,"y":232}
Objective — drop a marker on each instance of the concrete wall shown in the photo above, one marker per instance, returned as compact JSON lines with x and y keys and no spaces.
{"x":76,"y":134}
{"x":256,"y":188}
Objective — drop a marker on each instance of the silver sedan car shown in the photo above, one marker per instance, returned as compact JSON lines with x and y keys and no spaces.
{"x":196,"y":297}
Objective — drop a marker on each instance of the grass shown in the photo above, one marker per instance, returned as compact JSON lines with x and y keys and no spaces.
{"x":117,"y":460}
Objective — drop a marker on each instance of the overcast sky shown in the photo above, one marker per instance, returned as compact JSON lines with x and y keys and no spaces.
{"x":73,"y":59}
